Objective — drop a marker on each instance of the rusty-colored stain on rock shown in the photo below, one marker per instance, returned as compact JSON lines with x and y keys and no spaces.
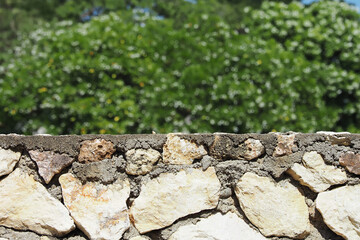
{"x":95,"y":150}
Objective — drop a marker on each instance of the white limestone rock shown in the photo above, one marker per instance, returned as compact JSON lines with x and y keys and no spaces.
{"x":139,"y":238}
{"x":8,"y":160}
{"x":141,"y":161}
{"x":315,"y":174}
{"x":171,"y":196}
{"x":277,"y":209}
{"x":340,"y":209}
{"x":218,"y":227}
{"x":181,"y":151}
{"x":26,"y":205}
{"x":99,"y":211}
{"x":254,"y":149}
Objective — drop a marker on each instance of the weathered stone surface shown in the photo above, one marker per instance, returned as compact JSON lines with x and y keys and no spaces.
{"x":206,"y":162}
{"x":181,"y":151}
{"x":285,"y":145}
{"x":95,"y":150}
{"x":171,"y":196}
{"x":8,"y":160}
{"x":278,"y":165}
{"x":315,"y":174}
{"x":351,"y":162}
{"x":139,"y":238}
{"x":254,"y":149}
{"x":99,"y":211}
{"x":105,"y":171}
{"x":26,"y":205}
{"x":277,"y":209}
{"x":50,"y":163}
{"x":217,"y":227}
{"x":340,"y":209}
{"x":141,"y":161}
{"x":341,"y":141}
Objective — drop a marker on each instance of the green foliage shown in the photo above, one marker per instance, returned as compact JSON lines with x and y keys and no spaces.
{"x":130,"y":72}
{"x":327,"y":35}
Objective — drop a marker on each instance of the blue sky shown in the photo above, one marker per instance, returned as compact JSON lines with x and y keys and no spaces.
{"x":356,"y":2}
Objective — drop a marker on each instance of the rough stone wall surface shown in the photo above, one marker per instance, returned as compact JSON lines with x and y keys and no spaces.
{"x":180,"y":186}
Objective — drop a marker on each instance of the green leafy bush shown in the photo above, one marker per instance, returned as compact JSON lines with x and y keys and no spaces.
{"x":133,"y":72}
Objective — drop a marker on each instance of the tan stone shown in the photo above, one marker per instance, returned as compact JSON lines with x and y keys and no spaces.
{"x":26,"y":205}
{"x":217,"y":227}
{"x":50,"y":163}
{"x":171,"y":196}
{"x":141,"y":161}
{"x":95,"y":150}
{"x":285,"y":145}
{"x":315,"y":174}
{"x":181,"y":151}
{"x":351,"y":162}
{"x":8,"y":160}
{"x":340,"y":209}
{"x":277,"y":209}
{"x":254,"y":149}
{"x":139,"y":238}
{"x":99,"y":211}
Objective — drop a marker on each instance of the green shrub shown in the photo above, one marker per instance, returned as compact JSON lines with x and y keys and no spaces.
{"x":129,"y":72}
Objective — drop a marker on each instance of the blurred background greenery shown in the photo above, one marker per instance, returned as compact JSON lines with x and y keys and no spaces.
{"x":136,"y":66}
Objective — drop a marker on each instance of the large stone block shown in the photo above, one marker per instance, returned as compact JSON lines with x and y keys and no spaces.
{"x":171,"y":196}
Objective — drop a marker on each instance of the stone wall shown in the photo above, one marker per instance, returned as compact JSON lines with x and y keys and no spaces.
{"x":180,"y":186}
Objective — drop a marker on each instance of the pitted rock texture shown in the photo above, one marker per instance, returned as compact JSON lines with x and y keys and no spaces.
{"x":50,"y":163}
{"x":277,"y":209}
{"x":141,"y":161}
{"x":276,"y":166}
{"x":106,"y":171}
{"x":351,"y":162}
{"x":26,"y":205}
{"x":181,"y":151}
{"x":174,"y":195}
{"x":315,"y":174}
{"x":8,"y":159}
{"x":218,"y":227}
{"x":95,"y":150}
{"x":285,"y":145}
{"x":99,"y":211}
{"x":340,"y":209}
{"x":254,"y":149}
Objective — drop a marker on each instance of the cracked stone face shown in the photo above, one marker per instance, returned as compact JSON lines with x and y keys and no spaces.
{"x":26,"y":205}
{"x":100,"y":211}
{"x":314,"y":173}
{"x":171,"y":196}
{"x":277,"y":209}
{"x":217,"y":226}
{"x":340,"y":209}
